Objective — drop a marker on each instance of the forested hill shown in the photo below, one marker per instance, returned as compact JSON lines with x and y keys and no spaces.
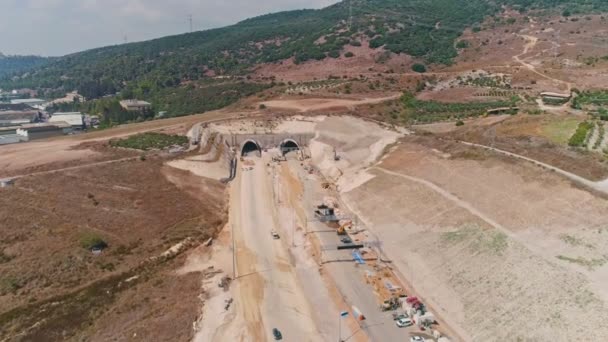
{"x":425,"y":29}
{"x":15,"y":64}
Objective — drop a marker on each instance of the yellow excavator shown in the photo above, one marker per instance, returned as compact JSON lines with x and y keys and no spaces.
{"x":342,"y":229}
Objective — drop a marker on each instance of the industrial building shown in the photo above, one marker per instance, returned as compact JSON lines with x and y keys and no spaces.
{"x":135,"y":105}
{"x":552,"y":98}
{"x":44,"y":130}
{"x":17,"y":114}
{"x":76,"y":120}
{"x":29,"y":102}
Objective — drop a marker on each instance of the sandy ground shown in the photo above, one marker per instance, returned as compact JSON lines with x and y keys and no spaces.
{"x":506,"y":250}
{"x":267,"y":292}
{"x":200,"y":167}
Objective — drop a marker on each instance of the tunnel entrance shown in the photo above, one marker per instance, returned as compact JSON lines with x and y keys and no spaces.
{"x":289,"y":146}
{"x":251,"y":146}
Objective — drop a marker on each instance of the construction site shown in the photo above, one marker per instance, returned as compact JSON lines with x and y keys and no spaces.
{"x":396,"y":226}
{"x":331,"y":207}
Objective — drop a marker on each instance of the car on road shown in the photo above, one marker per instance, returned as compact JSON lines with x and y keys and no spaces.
{"x":346,"y":239}
{"x":275,"y":235}
{"x":416,"y":339}
{"x":277,"y":334}
{"x":404,"y":322}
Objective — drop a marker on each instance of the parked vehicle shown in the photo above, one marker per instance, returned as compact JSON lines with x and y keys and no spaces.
{"x":346,"y":239}
{"x":275,"y":235}
{"x":416,"y":339}
{"x":404,"y":322}
{"x":398,"y":316}
{"x":277,"y":334}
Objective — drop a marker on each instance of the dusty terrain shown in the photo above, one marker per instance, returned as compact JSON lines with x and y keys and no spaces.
{"x":140,"y":209}
{"x":465,"y":226}
{"x":540,"y":137}
{"x":497,"y":245}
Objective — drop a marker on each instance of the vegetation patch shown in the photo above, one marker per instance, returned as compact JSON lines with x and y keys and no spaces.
{"x":560,"y":131}
{"x":90,"y":241}
{"x":574,"y":241}
{"x":477,"y":239}
{"x":419,"y":111}
{"x":587,"y":98}
{"x":579,"y":137}
{"x":590,"y":264}
{"x":150,"y":141}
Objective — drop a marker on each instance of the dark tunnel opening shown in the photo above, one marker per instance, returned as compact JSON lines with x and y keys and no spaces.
{"x":249,"y":147}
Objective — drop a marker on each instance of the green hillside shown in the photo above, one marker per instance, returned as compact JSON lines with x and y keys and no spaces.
{"x":425,"y":29}
{"x":10,"y":65}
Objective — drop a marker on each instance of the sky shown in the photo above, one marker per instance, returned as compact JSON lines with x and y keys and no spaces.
{"x":60,"y":27}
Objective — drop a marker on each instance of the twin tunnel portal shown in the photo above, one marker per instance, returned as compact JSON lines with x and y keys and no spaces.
{"x":253,"y":146}
{"x":246,"y":144}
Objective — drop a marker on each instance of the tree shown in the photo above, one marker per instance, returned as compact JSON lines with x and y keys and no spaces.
{"x":420,"y":68}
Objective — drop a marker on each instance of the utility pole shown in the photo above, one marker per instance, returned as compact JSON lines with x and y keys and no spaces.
{"x":233,"y":253}
{"x":190,"y":20}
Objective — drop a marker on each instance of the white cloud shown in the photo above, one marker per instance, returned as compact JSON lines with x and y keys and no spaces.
{"x":56,"y":27}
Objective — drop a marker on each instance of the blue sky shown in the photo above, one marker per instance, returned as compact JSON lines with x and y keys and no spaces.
{"x":59,"y":27}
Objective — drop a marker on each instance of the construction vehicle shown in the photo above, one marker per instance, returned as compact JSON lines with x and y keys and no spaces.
{"x":391,"y":304}
{"x":416,"y":305}
{"x":342,"y":229}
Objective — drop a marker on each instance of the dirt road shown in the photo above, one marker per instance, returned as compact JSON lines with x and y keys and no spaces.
{"x":531,"y":42}
{"x":268,"y":294}
{"x":309,"y":105}
{"x":601,"y":186}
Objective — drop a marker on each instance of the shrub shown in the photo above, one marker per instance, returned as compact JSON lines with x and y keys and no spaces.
{"x":420,"y":68}
{"x":349,"y":54}
{"x":334,"y":54}
{"x":459,"y":123}
{"x":462,"y":44}
{"x":262,"y":106}
{"x":90,"y":241}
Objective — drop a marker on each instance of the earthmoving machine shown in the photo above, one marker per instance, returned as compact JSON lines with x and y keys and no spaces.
{"x":342,"y":229}
{"x":391,"y":304}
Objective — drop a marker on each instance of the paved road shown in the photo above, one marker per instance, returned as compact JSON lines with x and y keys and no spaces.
{"x":349,"y":278}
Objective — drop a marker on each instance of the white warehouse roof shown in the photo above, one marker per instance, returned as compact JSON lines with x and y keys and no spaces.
{"x":71,"y":119}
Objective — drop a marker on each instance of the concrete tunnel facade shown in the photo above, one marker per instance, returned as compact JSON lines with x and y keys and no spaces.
{"x":250,"y":145}
{"x":288,"y":145}
{"x":286,"y":142}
